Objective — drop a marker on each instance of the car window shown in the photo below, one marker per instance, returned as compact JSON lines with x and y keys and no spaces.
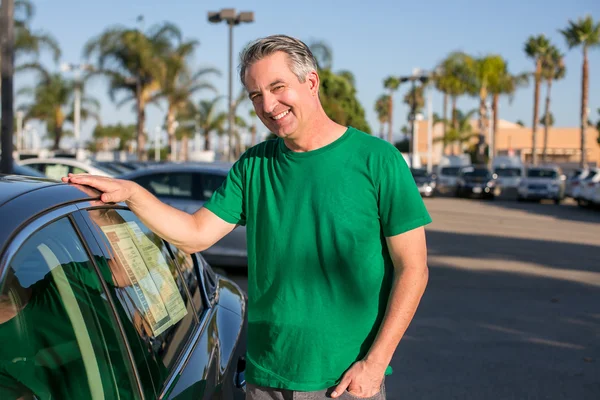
{"x":508,"y":172}
{"x":170,"y":185}
{"x":450,"y":171}
{"x":56,"y":171}
{"x":189,"y":272}
{"x":60,"y":339}
{"x":210,"y":182}
{"x":151,"y":290}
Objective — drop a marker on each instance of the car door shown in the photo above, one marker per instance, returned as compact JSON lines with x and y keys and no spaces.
{"x":61,"y":338}
{"x":185,"y":359}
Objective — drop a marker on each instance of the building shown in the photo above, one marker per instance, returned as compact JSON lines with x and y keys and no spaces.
{"x":513,"y":139}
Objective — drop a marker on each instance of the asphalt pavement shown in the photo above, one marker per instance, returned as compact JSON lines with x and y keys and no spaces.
{"x":512,"y":309}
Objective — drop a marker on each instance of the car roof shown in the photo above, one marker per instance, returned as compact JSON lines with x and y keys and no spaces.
{"x":222,"y":168}
{"x":23,"y":198}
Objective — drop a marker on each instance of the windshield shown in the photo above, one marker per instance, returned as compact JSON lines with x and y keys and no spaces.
{"x":542,"y":173}
{"x":476,"y":173}
{"x":419,"y":172}
{"x":591,"y":175}
{"x":28,"y":171}
{"x":106,"y":168}
{"x":508,"y":172}
{"x":450,"y":171}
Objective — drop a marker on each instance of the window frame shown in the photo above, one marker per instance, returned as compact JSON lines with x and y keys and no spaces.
{"x":71,"y":213}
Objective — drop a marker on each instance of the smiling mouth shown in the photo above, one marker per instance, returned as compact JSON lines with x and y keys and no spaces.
{"x":279,"y":116}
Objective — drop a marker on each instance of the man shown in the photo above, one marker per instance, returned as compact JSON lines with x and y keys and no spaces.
{"x":336,"y":245}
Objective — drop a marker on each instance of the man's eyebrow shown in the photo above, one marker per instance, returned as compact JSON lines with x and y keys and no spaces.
{"x":270,"y":85}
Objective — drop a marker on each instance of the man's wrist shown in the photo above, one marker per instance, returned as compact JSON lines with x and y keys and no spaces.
{"x":375,"y":362}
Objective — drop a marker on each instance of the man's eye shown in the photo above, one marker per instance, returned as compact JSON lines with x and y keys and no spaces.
{"x":277,"y":88}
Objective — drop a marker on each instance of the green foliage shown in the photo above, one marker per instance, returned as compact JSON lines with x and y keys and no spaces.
{"x":550,"y":117}
{"x":339,"y":100}
{"x":125,"y":133}
{"x":403,"y":145}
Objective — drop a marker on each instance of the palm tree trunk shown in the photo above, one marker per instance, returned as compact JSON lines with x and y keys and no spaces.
{"x":171,"y":134}
{"x":58,"y":132}
{"x":207,"y":141}
{"x":184,"y":147}
{"x":445,"y":111}
{"x":381,"y":128}
{"x":584,"y":102}
{"x":141,"y":136}
{"x":546,"y":122}
{"x":253,"y":135}
{"x":495,"y":99}
{"x":536,"y":101}
{"x":482,"y":127}
{"x":456,"y":149}
{"x":390,"y":111}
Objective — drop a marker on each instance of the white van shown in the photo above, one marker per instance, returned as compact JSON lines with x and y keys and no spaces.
{"x":448,"y":170}
{"x":510,"y":171}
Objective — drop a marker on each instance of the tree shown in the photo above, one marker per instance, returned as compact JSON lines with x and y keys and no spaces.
{"x":487,"y":72}
{"x":506,"y":84}
{"x":454,"y":78}
{"x":391,"y":83}
{"x":461,"y":132}
{"x":338,"y":91}
{"x":585,"y":33}
{"x":382,"y":109}
{"x":520,"y":123}
{"x":178,"y":84}
{"x":125,"y":134}
{"x":538,"y":49}
{"x":133,"y":61}
{"x":417,"y":94}
{"x":53,"y":102}
{"x":210,"y":120}
{"x":553,"y":68}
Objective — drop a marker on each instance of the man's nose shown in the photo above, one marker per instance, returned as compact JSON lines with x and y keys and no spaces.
{"x":269,"y":102}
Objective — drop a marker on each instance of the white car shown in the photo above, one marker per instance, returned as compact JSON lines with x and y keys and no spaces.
{"x":574,"y":182}
{"x":56,"y":168}
{"x":542,"y":183}
{"x":588,"y":186}
{"x":509,"y":177}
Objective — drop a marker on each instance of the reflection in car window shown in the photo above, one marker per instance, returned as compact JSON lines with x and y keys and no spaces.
{"x":60,"y":340}
{"x":151,"y":290}
{"x":210,"y":183}
{"x":190,"y":277}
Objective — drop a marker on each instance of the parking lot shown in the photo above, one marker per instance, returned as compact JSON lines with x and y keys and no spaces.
{"x":512,"y":309}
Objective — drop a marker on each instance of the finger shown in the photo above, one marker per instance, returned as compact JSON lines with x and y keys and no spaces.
{"x":341,"y":388}
{"x":109,"y":198}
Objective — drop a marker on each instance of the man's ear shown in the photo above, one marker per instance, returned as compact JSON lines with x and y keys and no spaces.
{"x":313,"y":81}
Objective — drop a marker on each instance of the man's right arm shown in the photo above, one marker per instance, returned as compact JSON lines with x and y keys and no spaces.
{"x":189,"y":232}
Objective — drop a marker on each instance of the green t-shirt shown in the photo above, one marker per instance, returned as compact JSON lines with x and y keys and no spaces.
{"x":319,"y":271}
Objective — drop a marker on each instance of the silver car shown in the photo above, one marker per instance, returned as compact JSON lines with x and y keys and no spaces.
{"x":186,"y":187}
{"x":542,"y":183}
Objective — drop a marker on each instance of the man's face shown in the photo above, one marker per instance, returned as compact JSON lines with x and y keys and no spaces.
{"x":282,"y":103}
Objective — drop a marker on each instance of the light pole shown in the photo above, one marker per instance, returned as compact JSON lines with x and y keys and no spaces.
{"x":423,"y":77}
{"x":491,"y":148}
{"x":76,"y":68}
{"x":232,"y":19}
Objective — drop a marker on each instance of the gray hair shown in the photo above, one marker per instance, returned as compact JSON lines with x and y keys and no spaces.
{"x":301,"y":59}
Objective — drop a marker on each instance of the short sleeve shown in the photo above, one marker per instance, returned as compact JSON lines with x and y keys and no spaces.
{"x":227,"y":202}
{"x":401,"y":207}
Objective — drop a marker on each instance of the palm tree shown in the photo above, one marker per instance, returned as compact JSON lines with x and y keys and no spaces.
{"x":486,"y":72}
{"x":454,"y":78}
{"x":210,"y":120}
{"x":553,"y":69}
{"x":382,"y":109}
{"x":53,"y":102}
{"x":584,"y":33}
{"x":536,"y":48}
{"x":133,"y":62}
{"x":460,"y":132}
{"x":415,"y":95}
{"x":179,"y":84}
{"x":391,"y":83}
{"x":506,"y":84}
{"x":322,"y":53}
{"x":253,"y":129}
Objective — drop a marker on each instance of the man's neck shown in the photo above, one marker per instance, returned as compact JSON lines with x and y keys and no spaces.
{"x":318,"y":134}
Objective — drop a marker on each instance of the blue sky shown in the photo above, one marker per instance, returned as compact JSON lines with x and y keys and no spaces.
{"x":372,"y":39}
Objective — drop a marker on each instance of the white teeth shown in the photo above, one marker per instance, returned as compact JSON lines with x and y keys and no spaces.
{"x":283,"y":114}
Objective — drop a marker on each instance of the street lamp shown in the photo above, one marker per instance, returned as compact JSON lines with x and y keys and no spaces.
{"x":423,"y":77}
{"x":76,"y":68}
{"x":232,"y":19}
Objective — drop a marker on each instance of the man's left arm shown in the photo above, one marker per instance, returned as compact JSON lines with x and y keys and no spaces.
{"x":409,"y":254}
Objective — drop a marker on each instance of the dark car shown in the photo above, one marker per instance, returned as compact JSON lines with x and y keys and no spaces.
{"x":93,"y":305}
{"x":476,"y":181}
{"x":187,"y":187}
{"x":425,"y":181}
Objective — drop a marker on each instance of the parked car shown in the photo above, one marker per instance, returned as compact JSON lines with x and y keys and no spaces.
{"x":187,"y":187}
{"x":26,"y":171}
{"x":573,"y":182}
{"x":56,"y":168}
{"x":446,"y":179}
{"x":424,"y":180}
{"x":93,"y":305}
{"x":545,"y":182}
{"x":587,"y":187}
{"x":476,"y":181}
{"x":509,"y":177}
